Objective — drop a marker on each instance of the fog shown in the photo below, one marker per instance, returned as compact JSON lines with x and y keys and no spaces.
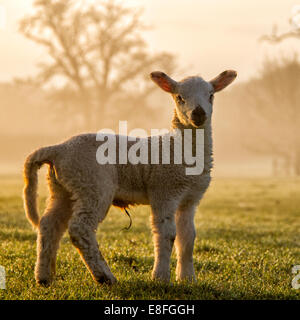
{"x":83,"y":75}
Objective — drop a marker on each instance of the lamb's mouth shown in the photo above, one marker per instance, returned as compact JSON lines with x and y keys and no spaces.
{"x":198,"y":124}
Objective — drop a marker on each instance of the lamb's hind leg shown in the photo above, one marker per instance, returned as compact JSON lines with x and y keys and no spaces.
{"x":184,"y":242}
{"x":88,"y":212}
{"x":52,"y":226}
{"x":164,"y":231}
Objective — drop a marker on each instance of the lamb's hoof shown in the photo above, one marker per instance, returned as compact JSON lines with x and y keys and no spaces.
{"x":43,"y":282}
{"x":110,"y":280}
{"x":163,"y":277}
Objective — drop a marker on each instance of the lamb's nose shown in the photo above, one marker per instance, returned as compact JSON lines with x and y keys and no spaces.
{"x":198,"y":116}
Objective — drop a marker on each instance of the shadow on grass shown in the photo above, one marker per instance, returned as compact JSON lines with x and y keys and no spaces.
{"x":141,"y":289}
{"x":269,"y":238}
{"x":16,"y":235}
{"x":149,"y":289}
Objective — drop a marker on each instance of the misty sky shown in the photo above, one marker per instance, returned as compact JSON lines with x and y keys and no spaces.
{"x":208,"y":36}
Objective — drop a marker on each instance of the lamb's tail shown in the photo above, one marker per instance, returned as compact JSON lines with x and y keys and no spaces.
{"x":32,"y":164}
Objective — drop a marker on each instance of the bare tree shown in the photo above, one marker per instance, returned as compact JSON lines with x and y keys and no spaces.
{"x":271,"y":119}
{"x":292,"y":155}
{"x":96,"y":51}
{"x":294,"y":31}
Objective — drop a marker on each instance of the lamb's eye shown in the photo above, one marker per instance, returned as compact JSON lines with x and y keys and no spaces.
{"x":180,"y":99}
{"x":211,"y":98}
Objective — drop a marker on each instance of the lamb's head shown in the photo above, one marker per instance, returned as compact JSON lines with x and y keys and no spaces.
{"x":193,"y":95}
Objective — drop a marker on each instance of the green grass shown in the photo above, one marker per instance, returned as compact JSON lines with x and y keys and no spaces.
{"x":248,"y":239}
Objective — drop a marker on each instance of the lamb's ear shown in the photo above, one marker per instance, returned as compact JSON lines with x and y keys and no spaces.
{"x":223,"y":80}
{"x":164,"y":81}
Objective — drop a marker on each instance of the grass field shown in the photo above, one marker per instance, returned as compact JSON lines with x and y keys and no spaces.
{"x":248,"y":240}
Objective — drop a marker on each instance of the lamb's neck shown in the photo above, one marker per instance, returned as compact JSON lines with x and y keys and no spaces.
{"x":178,"y":125}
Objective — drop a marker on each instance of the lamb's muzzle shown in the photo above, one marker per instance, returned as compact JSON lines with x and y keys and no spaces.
{"x":198,"y":116}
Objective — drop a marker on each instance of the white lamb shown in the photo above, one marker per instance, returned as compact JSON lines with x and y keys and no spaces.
{"x":82,"y":191}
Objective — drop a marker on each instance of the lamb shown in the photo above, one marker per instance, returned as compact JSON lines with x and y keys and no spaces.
{"x":82,"y":191}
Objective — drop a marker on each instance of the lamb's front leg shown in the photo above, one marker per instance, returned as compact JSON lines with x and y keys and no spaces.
{"x":184,"y":242}
{"x":164,"y":232}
